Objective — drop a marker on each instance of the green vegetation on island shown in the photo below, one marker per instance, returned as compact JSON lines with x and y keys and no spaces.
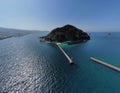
{"x":67,"y":33}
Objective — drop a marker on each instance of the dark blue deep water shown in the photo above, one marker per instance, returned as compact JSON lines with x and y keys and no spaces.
{"x":30,"y":66}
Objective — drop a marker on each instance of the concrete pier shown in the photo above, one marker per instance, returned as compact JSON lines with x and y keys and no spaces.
{"x":69,"y":59}
{"x":105,"y":64}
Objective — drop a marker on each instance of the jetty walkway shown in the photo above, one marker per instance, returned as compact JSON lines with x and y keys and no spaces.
{"x":69,"y":59}
{"x":105,"y":64}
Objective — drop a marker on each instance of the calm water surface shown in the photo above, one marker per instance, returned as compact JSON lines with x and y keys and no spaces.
{"x":30,"y":66}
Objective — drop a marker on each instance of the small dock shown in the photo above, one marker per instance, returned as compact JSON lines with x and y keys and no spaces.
{"x":105,"y":64}
{"x":69,"y":59}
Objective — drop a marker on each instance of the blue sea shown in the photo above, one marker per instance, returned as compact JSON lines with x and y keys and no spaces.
{"x":30,"y":66}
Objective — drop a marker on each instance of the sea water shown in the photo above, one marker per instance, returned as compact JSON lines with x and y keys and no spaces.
{"x":30,"y":66}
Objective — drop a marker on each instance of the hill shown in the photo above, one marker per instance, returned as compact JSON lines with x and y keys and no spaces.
{"x":67,"y":33}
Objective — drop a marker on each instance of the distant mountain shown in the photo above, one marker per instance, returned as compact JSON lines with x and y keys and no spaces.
{"x":67,"y":33}
{"x":8,"y":32}
{"x":2,"y":29}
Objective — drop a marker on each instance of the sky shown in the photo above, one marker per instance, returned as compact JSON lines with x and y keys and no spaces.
{"x":45,"y":15}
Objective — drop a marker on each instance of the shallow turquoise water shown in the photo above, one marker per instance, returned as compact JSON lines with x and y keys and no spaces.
{"x":30,"y":66}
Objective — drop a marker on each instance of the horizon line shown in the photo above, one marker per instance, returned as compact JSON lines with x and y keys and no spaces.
{"x":51,"y":30}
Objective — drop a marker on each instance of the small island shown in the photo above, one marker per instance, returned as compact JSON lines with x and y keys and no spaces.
{"x":66,"y":34}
